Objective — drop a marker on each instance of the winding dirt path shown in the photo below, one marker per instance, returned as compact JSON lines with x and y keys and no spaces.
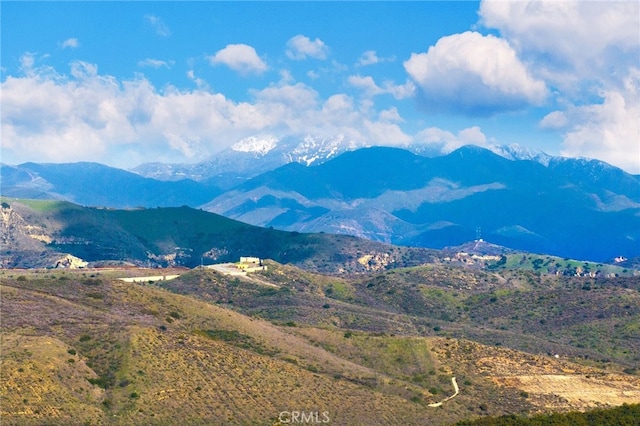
{"x":455,"y":388}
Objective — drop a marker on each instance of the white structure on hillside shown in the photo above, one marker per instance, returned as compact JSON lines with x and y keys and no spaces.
{"x":246,"y":265}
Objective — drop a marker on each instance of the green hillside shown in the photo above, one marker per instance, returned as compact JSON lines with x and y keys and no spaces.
{"x":546,"y":264}
{"x":179,"y":236}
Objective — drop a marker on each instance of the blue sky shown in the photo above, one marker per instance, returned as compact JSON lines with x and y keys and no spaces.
{"x":124,"y":83}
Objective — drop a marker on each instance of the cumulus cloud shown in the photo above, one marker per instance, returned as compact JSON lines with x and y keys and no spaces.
{"x":391,"y":115}
{"x":474,"y":74}
{"x":239,"y":57}
{"x":370,"y":88}
{"x":554,"y":120}
{"x":568,"y":40}
{"x":588,"y":51}
{"x":70,"y":43}
{"x":370,"y":57}
{"x":158,"y":25}
{"x":83,"y":115}
{"x":300,"y":47}
{"x":446,"y":141}
{"x":610,"y":130}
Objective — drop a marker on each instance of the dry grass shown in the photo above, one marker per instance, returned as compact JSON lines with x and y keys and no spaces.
{"x":42,"y":381}
{"x":144,"y":355}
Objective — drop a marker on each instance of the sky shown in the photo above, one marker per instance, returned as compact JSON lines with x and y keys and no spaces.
{"x":124,"y":83}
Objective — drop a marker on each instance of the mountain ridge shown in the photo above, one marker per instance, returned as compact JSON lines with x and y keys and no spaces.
{"x":521,"y":204}
{"x":576,"y":208}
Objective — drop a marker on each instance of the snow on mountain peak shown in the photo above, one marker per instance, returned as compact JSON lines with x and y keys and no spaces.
{"x":316,"y":148}
{"x":518,"y":152}
{"x":259,"y":145}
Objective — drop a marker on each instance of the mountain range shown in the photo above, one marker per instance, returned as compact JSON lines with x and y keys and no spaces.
{"x":526,"y":200}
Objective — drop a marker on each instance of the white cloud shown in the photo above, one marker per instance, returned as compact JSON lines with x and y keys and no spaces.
{"x":371,"y":89}
{"x":474,"y":74}
{"x":85,"y":116}
{"x":366,"y":84}
{"x":71,"y":43}
{"x":569,"y":40}
{"x":300,"y":47}
{"x":554,"y":120}
{"x":27,"y":61}
{"x":588,"y":51}
{"x":391,"y":115}
{"x":155,"y":63}
{"x":609,"y":131}
{"x":446,"y":141}
{"x":199,"y":82}
{"x":370,"y":57}
{"x":158,"y":25}
{"x":384,"y":133}
{"x":81,"y":69}
{"x":239,"y":57}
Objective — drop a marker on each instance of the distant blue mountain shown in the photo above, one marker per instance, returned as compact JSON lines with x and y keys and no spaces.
{"x":93,"y":184}
{"x":577,"y":208}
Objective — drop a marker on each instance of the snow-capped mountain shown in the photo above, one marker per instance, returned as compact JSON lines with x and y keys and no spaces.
{"x":258,"y":154}
{"x":258,"y":146}
{"x":519,"y":152}
{"x":251,"y":156}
